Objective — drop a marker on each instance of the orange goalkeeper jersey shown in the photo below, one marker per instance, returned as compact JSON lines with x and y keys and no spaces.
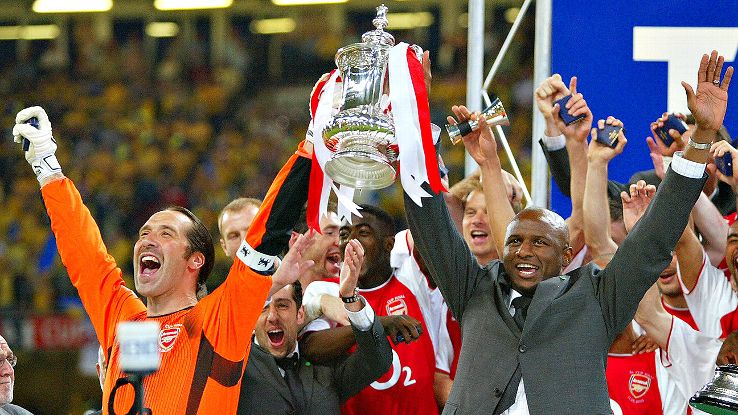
{"x":204,"y":348}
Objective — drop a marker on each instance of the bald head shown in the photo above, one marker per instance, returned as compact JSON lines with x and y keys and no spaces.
{"x":547,"y":217}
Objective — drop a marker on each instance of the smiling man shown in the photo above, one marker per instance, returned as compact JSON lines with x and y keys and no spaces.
{"x":234,"y":222}
{"x":7,"y":381}
{"x":535,"y":340}
{"x":475,"y":227}
{"x":204,"y":342}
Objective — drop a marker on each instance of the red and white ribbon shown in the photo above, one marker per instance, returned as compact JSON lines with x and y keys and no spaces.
{"x":411,"y":114}
{"x":322,"y":108}
{"x":408,"y":104}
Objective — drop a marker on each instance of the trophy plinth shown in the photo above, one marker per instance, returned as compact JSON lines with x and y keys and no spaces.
{"x":361,"y":135}
{"x":719,"y":396}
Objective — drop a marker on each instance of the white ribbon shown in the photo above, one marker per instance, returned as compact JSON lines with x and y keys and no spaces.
{"x":407,"y":127}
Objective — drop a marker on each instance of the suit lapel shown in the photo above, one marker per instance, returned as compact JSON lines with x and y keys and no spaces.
{"x":306,"y":376}
{"x":500,"y":300}
{"x":546,"y":292}
{"x":267,"y":366}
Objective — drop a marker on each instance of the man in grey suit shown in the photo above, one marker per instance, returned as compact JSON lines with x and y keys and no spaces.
{"x":534,"y":341}
{"x":278,"y":380}
{"x":7,"y":381}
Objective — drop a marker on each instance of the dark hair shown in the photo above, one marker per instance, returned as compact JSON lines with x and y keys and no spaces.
{"x":297,"y":293}
{"x":301,"y":225}
{"x":198,"y":240}
{"x":388,"y":224}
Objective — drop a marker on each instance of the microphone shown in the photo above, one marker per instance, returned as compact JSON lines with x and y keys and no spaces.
{"x":139,"y":357}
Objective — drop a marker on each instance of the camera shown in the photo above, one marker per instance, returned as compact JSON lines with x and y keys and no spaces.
{"x":564,"y":114}
{"x":725,"y":163}
{"x":671,"y":123}
{"x":609,"y":135}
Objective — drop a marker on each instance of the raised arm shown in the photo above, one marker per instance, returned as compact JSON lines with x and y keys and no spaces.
{"x":712,"y":227}
{"x":550,"y":90}
{"x":647,"y":249}
{"x":449,"y":260}
{"x":653,"y":318}
{"x":690,"y":254}
{"x":91,"y":269}
{"x":373,"y":356}
{"x":596,"y":207}
{"x":482,"y":147}
{"x":576,"y":146}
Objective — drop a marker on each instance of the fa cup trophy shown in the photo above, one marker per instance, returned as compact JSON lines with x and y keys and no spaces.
{"x":361,"y":136}
{"x":719,"y":396}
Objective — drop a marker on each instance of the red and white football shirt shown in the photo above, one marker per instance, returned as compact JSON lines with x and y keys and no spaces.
{"x":712,"y":301}
{"x":449,"y":343}
{"x":662,"y":382}
{"x":681,"y":313}
{"x":407,"y":388}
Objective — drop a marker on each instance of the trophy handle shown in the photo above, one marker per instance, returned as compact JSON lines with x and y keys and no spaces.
{"x":418,"y":52}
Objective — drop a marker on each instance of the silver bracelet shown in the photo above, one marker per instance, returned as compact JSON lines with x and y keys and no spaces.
{"x":699,"y":146}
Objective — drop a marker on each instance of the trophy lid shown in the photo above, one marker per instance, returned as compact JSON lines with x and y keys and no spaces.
{"x":378,"y":35}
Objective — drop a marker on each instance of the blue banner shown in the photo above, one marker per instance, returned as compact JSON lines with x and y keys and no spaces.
{"x":630,"y":57}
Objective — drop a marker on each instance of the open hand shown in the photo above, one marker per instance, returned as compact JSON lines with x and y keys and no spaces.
{"x":709,"y":104}
{"x":636,"y":203}
{"x":656,"y":157}
{"x":353,"y":259}
{"x":294,"y":263}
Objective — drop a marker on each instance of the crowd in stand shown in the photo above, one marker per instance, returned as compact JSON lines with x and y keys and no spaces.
{"x":142,"y":137}
{"x":479,"y":306}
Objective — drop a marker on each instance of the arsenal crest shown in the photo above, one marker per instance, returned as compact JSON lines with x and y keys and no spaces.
{"x":639,"y":384}
{"x":168,"y":336}
{"x":396,"y":306}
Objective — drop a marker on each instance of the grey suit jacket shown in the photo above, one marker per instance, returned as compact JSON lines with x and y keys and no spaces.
{"x":264,"y":390}
{"x":11,"y":409}
{"x":571,"y":322}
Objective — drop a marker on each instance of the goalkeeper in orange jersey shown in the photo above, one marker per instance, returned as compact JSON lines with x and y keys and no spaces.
{"x":204,"y":342}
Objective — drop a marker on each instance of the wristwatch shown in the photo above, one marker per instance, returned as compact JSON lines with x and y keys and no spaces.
{"x":698,"y":146}
{"x":354,"y":298}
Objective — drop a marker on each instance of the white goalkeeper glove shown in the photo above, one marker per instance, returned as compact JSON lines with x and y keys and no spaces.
{"x":41,"y":146}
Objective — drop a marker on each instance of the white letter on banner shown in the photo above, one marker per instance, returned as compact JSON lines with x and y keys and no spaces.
{"x":682,"y":48}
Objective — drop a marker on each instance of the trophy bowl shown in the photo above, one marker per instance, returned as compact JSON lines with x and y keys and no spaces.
{"x":362,"y":153}
{"x":361,"y":136}
{"x":719,"y":396}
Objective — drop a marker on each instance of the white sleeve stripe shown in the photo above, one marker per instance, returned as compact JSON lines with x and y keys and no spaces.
{"x":254,"y":259}
{"x":664,"y":354}
{"x":685,"y":290}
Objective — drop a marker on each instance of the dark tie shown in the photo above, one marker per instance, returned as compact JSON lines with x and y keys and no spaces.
{"x":521,"y":310}
{"x":291,"y":366}
{"x":520,"y":304}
